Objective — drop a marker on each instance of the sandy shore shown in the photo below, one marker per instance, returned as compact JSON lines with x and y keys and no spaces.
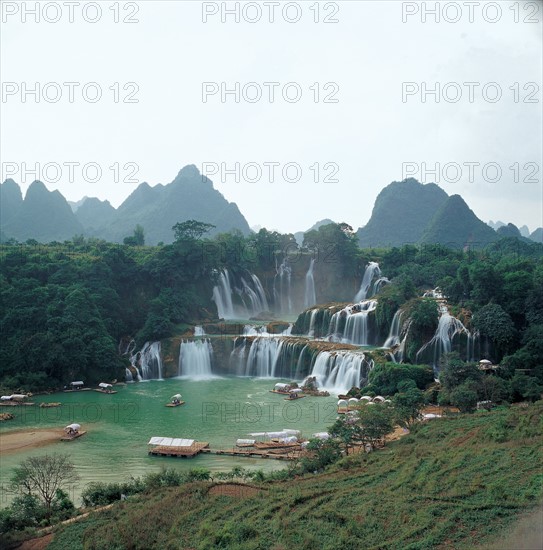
{"x":22,"y":440}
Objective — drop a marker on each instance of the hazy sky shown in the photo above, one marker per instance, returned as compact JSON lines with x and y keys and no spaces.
{"x":375,"y":61}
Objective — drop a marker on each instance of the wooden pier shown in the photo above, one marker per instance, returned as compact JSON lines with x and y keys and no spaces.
{"x":274,"y":454}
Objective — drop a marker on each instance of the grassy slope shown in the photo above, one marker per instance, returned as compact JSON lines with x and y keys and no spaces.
{"x":454,"y":483}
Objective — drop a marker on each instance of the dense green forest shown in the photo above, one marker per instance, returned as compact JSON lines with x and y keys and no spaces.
{"x":67,"y":306}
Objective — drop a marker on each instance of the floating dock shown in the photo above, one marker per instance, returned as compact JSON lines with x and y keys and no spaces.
{"x":190,"y":451}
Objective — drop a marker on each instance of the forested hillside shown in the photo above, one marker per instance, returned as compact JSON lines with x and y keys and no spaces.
{"x":67,"y":306}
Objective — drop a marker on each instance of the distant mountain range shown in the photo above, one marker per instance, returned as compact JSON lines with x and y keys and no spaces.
{"x":404,"y":212}
{"x":46,"y":215}
{"x":410,"y":212}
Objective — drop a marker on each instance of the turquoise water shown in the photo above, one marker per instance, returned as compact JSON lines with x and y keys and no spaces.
{"x":118,"y":426}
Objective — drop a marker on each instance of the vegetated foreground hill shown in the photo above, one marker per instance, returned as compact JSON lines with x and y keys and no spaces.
{"x":453,"y":483}
{"x":46,"y":215}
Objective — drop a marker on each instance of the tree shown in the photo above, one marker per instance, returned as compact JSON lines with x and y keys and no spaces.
{"x":453,"y":371}
{"x":137,"y":239}
{"x":464,"y":397}
{"x":408,"y":403}
{"x":43,"y":476}
{"x":376,"y":422}
{"x":191,"y":230}
{"x":495,"y":324}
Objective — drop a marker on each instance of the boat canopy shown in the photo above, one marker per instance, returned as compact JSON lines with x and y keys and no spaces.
{"x":245,"y":441}
{"x":18,"y":396}
{"x":289,"y":439}
{"x":77,"y":383}
{"x":171,"y":441}
{"x":176,"y":396}
{"x":295,"y":390}
{"x":291,"y":432}
{"x":321,"y":435}
{"x":270,"y":434}
{"x":342,"y":403}
{"x":5,"y":398}
{"x":281,"y":386}
{"x":104,"y":385}
{"x":73,"y":427}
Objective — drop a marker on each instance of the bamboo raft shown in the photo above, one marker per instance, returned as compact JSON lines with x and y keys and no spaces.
{"x":72,"y":437}
{"x":75,"y":391}
{"x":175,"y":404}
{"x":104,"y":391}
{"x":15,"y":404}
{"x":279,"y":391}
{"x":295,"y":398}
{"x":180,"y":452}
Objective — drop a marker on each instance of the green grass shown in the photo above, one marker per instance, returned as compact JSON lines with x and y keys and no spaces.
{"x":452,"y":483}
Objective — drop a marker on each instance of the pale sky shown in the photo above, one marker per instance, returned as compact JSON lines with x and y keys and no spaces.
{"x":366,"y":61}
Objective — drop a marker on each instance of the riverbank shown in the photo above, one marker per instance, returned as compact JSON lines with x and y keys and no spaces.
{"x":25,"y":440}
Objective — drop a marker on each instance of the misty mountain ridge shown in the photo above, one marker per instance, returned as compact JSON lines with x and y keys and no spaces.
{"x":404,"y":212}
{"x":409,"y":212}
{"x":46,"y":215}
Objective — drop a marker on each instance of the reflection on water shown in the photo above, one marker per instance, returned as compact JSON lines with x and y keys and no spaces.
{"x":119,"y":426}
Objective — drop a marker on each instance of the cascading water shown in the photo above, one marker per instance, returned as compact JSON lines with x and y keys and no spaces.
{"x":262,"y":357}
{"x":265,"y":357}
{"x":310,"y":298}
{"x":149,"y":360}
{"x":311,"y":332}
{"x":380,"y":283}
{"x":395,"y":328}
{"x":448,"y":327}
{"x":128,"y":375}
{"x":250,"y":293}
{"x":372,"y":271}
{"x":195,"y":359}
{"x":337,"y":372}
{"x":356,"y":326}
{"x":199,"y":331}
{"x":281,"y":288}
{"x":222,"y":295}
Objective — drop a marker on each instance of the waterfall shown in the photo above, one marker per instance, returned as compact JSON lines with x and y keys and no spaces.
{"x":337,"y":372}
{"x":281,"y":288}
{"x":222,"y":295}
{"x":199,"y":331}
{"x":262,"y":358}
{"x":394,"y":334}
{"x":310,"y":298}
{"x":372,"y":271}
{"x":128,"y":375}
{"x":311,"y":332}
{"x":195,"y":358}
{"x":448,"y":327}
{"x":251,"y":298}
{"x":267,"y":357}
{"x":382,"y":281}
{"x":356,"y":326}
{"x":150,"y":362}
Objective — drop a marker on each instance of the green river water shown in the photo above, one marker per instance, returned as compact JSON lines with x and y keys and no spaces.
{"x":119,"y":426}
